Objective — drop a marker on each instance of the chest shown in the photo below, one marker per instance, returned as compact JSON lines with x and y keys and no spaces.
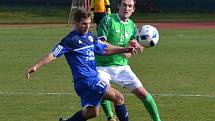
{"x":121,"y":34}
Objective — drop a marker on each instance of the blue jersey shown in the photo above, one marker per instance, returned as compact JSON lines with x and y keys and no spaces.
{"x":79,"y":51}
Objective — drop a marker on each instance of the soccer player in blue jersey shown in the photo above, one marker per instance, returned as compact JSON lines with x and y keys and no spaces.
{"x":79,"y":47}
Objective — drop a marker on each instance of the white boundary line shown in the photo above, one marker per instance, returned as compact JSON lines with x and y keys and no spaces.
{"x":67,"y":93}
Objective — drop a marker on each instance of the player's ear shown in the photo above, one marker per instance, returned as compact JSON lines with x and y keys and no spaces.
{"x":119,"y":4}
{"x":134,"y":9}
{"x":75,"y":23}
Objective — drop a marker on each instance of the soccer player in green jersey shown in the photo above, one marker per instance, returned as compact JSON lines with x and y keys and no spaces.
{"x":121,"y":31}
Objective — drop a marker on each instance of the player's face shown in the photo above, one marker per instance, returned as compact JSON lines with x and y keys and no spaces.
{"x":84,"y":25}
{"x":126,"y":8}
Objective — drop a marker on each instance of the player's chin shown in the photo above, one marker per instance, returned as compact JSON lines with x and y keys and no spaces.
{"x":127,"y":15}
{"x":84,"y":31}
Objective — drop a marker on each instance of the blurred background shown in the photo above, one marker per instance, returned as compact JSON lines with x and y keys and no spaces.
{"x":60,"y":11}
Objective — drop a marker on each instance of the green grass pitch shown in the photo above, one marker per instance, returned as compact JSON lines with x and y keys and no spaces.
{"x":178,"y":72}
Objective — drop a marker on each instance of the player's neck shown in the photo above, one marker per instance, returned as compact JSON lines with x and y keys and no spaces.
{"x":123,"y":19}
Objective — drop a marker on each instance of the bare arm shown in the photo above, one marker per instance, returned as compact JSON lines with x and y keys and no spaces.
{"x":45,"y":60}
{"x":136,"y":45}
{"x":110,"y":50}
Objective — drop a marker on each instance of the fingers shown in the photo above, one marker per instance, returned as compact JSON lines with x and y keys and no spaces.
{"x":134,"y":51}
{"x":30,"y":72}
{"x":28,"y":75}
{"x":140,"y":49}
{"x":136,"y":45}
{"x":130,"y":50}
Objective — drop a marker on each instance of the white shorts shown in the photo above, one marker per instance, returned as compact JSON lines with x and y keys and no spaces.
{"x":121,"y":75}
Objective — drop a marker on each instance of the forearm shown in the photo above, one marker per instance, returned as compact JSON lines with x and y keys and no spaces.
{"x":111,"y":49}
{"x":114,"y":50}
{"x":45,"y":60}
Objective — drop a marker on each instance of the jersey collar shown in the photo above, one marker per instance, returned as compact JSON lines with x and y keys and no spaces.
{"x":120,"y":19}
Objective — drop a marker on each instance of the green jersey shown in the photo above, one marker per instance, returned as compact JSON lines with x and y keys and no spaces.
{"x":118,"y":33}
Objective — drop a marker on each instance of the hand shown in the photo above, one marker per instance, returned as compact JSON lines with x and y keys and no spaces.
{"x":136,"y":45}
{"x":92,"y":15}
{"x":108,"y":12}
{"x":30,"y":72}
{"x":130,"y":50}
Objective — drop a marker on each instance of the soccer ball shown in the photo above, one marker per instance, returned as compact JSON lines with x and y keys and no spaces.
{"x":147,"y":36}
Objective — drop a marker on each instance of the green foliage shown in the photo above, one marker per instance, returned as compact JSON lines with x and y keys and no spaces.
{"x":178,"y":68}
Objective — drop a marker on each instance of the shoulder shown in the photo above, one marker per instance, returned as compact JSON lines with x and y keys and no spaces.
{"x":72,"y":34}
{"x":110,"y":20}
{"x":92,"y":34}
{"x":109,"y":17}
{"x":69,"y":38}
{"x":131,"y":21}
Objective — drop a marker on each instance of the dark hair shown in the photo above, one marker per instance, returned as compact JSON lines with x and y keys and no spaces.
{"x":120,"y":1}
{"x":79,"y":14}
